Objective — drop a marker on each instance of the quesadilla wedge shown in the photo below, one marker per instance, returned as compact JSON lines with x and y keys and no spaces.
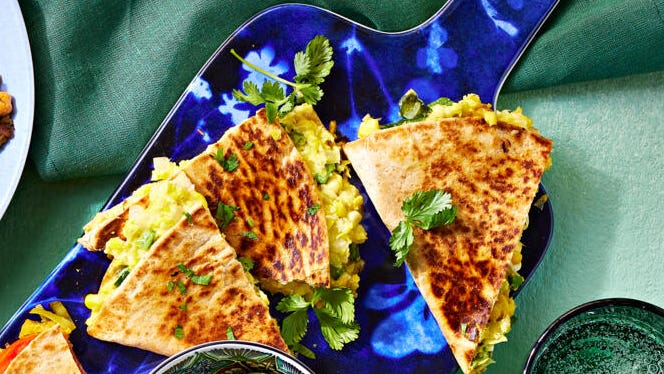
{"x":42,"y":343}
{"x":47,"y":351}
{"x":173,"y":281}
{"x":293,"y":211}
{"x":492,"y":168}
{"x":255,"y":175}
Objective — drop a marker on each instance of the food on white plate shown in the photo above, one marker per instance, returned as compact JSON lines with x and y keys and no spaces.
{"x":42,"y":346}
{"x":6,"y":123}
{"x":173,"y":281}
{"x":454,"y":182}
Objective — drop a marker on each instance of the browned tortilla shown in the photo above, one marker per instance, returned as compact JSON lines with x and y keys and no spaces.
{"x":142,"y":312}
{"x":49,"y":352}
{"x":492,"y":173}
{"x":274,"y":190}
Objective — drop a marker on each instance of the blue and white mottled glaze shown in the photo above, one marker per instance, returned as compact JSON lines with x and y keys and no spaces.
{"x":468,"y":46}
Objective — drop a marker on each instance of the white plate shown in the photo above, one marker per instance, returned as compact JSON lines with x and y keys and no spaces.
{"x":18,"y":80}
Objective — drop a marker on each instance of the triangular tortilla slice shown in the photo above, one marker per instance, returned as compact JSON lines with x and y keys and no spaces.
{"x":48,"y":352}
{"x":276,"y":197}
{"x":158,"y":306}
{"x":492,"y":173}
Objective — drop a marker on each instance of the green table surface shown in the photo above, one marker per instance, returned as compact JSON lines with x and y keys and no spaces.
{"x":605,"y":186}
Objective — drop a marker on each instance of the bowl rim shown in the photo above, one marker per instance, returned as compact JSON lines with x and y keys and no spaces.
{"x":241,"y":344}
{"x":585,"y":307}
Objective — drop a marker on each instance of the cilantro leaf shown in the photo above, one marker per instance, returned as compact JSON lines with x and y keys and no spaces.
{"x":225,"y":214}
{"x":422,"y":207}
{"x":229,"y":163}
{"x":251,"y":94}
{"x":316,"y":62}
{"x":425,"y":210}
{"x":178,"y":332}
{"x":335,"y":332}
{"x":202,"y":280}
{"x":312,"y":210}
{"x":333,"y":307}
{"x":401,"y":240}
{"x":249,"y":234}
{"x":338,"y":302}
{"x":311,"y":68}
{"x":229,"y":333}
{"x":294,"y":326}
{"x":304,"y":351}
{"x":247,"y":263}
{"x":185,"y":270}
{"x":292,"y":303}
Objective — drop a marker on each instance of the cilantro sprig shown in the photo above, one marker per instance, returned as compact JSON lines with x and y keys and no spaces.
{"x":333,"y":307}
{"x":311,"y":68}
{"x":425,"y":210}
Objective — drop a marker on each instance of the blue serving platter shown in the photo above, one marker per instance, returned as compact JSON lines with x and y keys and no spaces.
{"x":467,"y":46}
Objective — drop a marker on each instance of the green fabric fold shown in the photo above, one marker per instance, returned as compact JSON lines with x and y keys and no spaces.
{"x":108,"y":72}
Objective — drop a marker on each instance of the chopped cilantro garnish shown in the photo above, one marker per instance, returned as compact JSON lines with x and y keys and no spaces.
{"x":229,"y":333}
{"x":225,"y":214}
{"x":311,"y":68}
{"x":188,"y":215}
{"x":247,"y":263}
{"x":425,"y":210}
{"x":248,"y":145}
{"x":183,"y":307}
{"x":181,"y":287}
{"x":202,"y":280}
{"x":178,"y":332}
{"x":266,"y":196}
{"x":188,"y":272}
{"x":229,"y":163}
{"x":170,"y":286}
{"x":249,"y":234}
{"x":464,"y":327}
{"x":312,"y":210}
{"x":250,"y":222}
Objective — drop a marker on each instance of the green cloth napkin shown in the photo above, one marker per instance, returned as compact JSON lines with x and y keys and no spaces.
{"x":107,"y":72}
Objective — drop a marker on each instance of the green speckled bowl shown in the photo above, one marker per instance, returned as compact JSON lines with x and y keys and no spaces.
{"x":232,"y":357}
{"x":602,"y":336}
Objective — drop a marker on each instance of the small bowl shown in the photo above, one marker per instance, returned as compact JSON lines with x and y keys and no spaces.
{"x":231,"y":356}
{"x":603,"y":336}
